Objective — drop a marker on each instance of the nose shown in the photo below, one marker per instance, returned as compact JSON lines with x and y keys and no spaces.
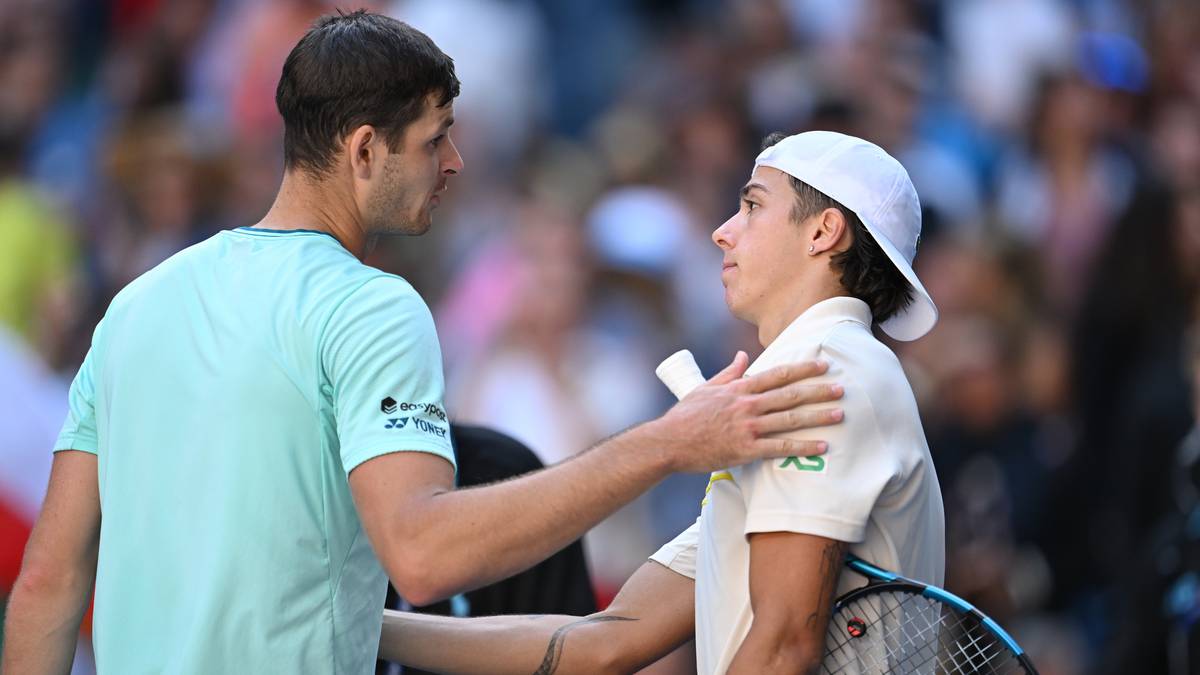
{"x":723,"y":235}
{"x":452,"y":162}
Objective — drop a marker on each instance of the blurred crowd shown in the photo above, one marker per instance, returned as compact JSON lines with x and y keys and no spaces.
{"x":1055,"y":145}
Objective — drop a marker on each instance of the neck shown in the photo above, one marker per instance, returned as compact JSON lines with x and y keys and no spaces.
{"x":795,"y":303}
{"x":307,"y":203}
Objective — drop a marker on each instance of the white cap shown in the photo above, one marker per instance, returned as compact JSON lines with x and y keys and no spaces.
{"x":871,"y":183}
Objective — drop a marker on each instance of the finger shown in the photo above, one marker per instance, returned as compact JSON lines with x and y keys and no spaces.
{"x":784,"y":375}
{"x":796,"y":419}
{"x":778,"y":448}
{"x":734,"y":370}
{"x":795,"y":395}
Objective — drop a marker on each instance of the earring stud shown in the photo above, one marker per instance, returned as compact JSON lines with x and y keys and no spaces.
{"x":812,"y":249}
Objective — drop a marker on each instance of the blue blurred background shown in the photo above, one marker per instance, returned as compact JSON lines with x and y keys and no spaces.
{"x":1055,"y":145}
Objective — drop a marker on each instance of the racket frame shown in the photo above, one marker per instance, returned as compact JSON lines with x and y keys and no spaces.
{"x":879,"y":579}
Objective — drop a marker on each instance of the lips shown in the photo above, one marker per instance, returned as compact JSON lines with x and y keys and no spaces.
{"x":435,"y":199}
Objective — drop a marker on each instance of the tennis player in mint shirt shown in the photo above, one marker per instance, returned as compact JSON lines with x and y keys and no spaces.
{"x":226,"y":495}
{"x":256,"y":439}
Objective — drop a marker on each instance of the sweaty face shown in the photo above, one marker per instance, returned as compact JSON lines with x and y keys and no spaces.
{"x":406,"y":190}
{"x":763,"y":247}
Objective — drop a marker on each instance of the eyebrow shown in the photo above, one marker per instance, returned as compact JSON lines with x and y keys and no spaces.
{"x":753,"y":186}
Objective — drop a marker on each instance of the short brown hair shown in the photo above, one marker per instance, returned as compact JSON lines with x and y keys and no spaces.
{"x":354,"y":69}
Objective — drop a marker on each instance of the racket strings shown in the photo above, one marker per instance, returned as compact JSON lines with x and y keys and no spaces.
{"x":909,"y":633}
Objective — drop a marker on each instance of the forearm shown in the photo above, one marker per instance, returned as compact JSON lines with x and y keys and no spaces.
{"x":469,"y":538}
{"x":769,"y":649}
{"x":496,"y":644}
{"x":42,"y":625}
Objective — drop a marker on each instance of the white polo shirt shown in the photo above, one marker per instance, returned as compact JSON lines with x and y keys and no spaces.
{"x":875,"y":487}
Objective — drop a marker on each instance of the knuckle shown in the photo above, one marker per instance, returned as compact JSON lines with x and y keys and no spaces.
{"x":752,"y":427}
{"x":776,"y":376}
{"x":745,"y":405}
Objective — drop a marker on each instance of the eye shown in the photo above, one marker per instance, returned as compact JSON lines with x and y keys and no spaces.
{"x":750,"y":206}
{"x":437,"y":140}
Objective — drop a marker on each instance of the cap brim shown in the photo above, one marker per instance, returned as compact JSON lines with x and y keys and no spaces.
{"x":919,"y":317}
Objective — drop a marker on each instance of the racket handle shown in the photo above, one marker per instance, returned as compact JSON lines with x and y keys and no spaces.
{"x":680,"y":373}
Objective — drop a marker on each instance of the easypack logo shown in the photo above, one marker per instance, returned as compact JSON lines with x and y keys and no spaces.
{"x":390,"y":406}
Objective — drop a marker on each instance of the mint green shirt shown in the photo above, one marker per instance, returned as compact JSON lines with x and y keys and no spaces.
{"x":227,"y":395}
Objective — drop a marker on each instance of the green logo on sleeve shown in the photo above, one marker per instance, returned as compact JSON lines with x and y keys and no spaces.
{"x":804,"y":464}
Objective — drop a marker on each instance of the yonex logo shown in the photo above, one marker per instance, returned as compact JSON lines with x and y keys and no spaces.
{"x":388,"y":405}
{"x":396,"y":422}
{"x":816,"y":464}
{"x":429,"y":428}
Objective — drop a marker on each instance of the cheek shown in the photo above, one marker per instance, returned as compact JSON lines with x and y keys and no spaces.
{"x":772,"y":267}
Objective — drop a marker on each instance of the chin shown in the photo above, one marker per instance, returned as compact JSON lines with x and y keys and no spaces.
{"x":739,"y":310}
{"x":411,"y":227}
{"x":732,"y":306}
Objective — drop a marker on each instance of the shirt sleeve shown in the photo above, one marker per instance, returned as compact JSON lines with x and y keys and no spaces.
{"x":830,"y":495}
{"x":79,"y":430}
{"x":679,"y":554}
{"x":381,"y":355}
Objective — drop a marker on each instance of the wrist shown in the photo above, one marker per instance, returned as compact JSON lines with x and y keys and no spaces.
{"x":652,"y":443}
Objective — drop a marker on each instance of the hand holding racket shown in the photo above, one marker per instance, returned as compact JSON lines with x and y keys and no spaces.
{"x":893,"y":624}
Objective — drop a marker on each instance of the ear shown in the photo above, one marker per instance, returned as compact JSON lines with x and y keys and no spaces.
{"x":830,"y":232}
{"x":365,"y":147}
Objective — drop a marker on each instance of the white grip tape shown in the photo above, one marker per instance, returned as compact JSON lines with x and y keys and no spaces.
{"x":680,"y":373}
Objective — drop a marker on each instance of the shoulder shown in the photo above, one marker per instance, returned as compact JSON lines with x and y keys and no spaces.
{"x":877,"y":389}
{"x":378,"y":316}
{"x":864,"y":358}
{"x":379,"y":294}
{"x":161,"y":282}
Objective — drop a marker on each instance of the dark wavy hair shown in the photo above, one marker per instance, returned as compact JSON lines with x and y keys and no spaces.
{"x":355,"y":69}
{"x":866,"y":271}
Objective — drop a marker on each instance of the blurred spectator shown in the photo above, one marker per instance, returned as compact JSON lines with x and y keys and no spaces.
{"x":163,"y":192}
{"x":1131,"y":402}
{"x":498,"y":48}
{"x":38,"y":253}
{"x":37,"y":263}
{"x":1060,"y":192}
{"x":996,"y":66}
{"x":1161,"y":602}
{"x":551,"y":380}
{"x":893,"y":101}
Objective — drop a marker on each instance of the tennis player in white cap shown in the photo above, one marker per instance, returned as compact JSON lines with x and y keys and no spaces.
{"x":819,"y":252}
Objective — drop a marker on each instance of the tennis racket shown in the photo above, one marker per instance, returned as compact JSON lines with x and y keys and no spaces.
{"x":894,"y":624}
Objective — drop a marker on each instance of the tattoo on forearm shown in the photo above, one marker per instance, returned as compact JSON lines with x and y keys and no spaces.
{"x":831,"y":567}
{"x":554,"y":650}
